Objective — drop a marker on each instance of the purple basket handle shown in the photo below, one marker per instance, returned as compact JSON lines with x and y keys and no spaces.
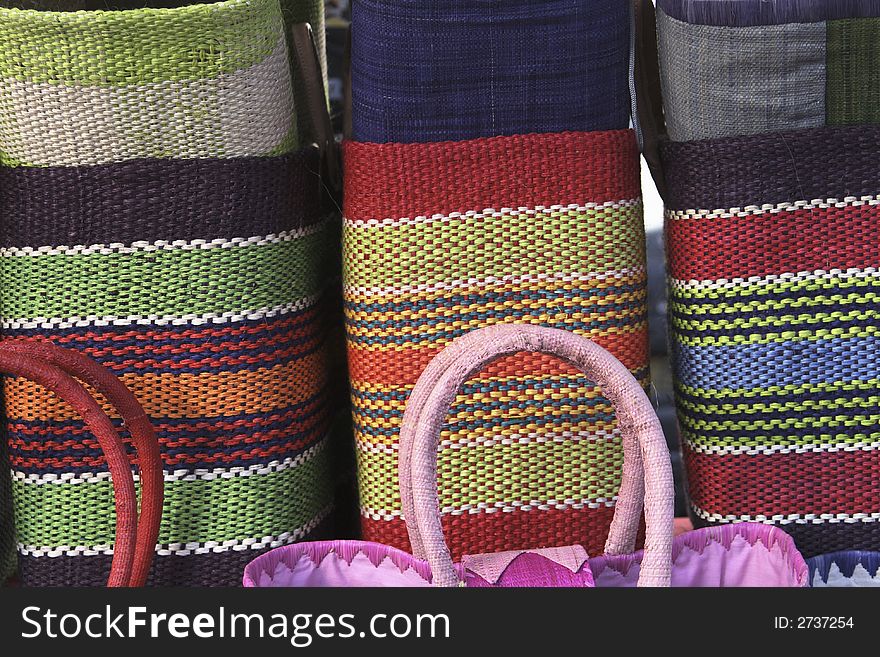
{"x":647,"y":472}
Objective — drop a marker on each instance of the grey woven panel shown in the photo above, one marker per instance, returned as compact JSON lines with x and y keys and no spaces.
{"x":721,"y":81}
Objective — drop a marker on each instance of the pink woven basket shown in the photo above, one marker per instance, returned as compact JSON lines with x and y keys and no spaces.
{"x":732,"y":555}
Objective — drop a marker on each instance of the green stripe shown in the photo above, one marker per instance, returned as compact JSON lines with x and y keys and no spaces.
{"x":799,"y":322}
{"x":798,"y":438}
{"x":597,"y":240}
{"x":758,"y":305}
{"x":821,"y":406}
{"x":504,"y":473}
{"x":853,"y":92}
{"x":740,"y":293}
{"x":796,"y":424}
{"x":119,"y":48}
{"x":173,"y":282}
{"x":194,"y":511}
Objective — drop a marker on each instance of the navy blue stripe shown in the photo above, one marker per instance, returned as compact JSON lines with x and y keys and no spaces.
{"x":495,"y":297}
{"x":309,"y":438}
{"x":471,"y":424}
{"x":789,"y":295}
{"x":266,"y":325}
{"x":778,"y":398}
{"x":793,"y":433}
{"x":760,"y":416}
{"x":482,"y":315}
{"x":485,"y":386}
{"x":451,"y":334}
{"x":764,"y":330}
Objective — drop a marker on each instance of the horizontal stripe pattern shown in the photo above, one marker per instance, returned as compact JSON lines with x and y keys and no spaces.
{"x":62,"y":47}
{"x":516,"y":530}
{"x":183,"y":549}
{"x":52,"y":124}
{"x":259,"y":272}
{"x":195,"y":570}
{"x":455,"y":243}
{"x":593,"y":230}
{"x":775,"y":319}
{"x":465,"y":176}
{"x":252,"y":508}
{"x":85,"y":202}
{"x":216,"y":322}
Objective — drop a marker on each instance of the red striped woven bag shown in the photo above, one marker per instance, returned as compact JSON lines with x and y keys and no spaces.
{"x":773,"y":245}
{"x":446,"y":237}
{"x":65,"y":374}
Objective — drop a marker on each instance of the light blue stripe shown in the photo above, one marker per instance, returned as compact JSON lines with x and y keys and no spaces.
{"x":778,"y":364}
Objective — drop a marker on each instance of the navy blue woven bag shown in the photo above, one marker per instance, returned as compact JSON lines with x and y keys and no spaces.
{"x":462,"y":69}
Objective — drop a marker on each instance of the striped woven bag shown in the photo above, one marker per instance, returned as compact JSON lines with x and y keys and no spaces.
{"x":481,"y":224}
{"x":161,"y":216}
{"x":773,"y":254}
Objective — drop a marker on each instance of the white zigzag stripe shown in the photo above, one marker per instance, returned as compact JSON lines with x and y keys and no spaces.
{"x":186,"y":549}
{"x":791,"y":519}
{"x":501,"y":507}
{"x":488,"y":213}
{"x":199,"y":474}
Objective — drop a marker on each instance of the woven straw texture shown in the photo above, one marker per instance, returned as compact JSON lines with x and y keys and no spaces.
{"x":439,"y":239}
{"x":766,"y":12}
{"x":462,"y":69}
{"x":105,"y":96}
{"x":774,"y":311}
{"x":197,"y":278}
{"x":721,"y":81}
{"x":742,"y":67}
{"x":854,"y":71}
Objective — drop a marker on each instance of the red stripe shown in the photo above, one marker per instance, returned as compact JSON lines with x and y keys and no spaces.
{"x":408,"y":180}
{"x":784,"y":484}
{"x":401,"y":368}
{"x":804,"y":240}
{"x":495,"y":532}
{"x":313,"y":427}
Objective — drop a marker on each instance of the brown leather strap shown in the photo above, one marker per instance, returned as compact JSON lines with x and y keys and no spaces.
{"x":649,"y":96}
{"x":308,"y":66}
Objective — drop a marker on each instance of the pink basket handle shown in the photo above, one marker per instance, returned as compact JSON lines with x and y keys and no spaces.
{"x":647,"y":476}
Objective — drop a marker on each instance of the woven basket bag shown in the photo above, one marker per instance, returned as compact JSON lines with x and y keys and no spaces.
{"x":163,"y":216}
{"x":461,"y":216}
{"x":773,"y":252}
{"x":737,"y":555}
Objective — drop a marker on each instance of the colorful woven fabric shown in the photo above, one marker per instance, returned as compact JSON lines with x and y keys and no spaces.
{"x":462,"y":69}
{"x":199,"y":281}
{"x":854,"y":71}
{"x":775,"y":309}
{"x":107,"y":97}
{"x":741,"y":67}
{"x":440,"y":239}
{"x":722,"y":81}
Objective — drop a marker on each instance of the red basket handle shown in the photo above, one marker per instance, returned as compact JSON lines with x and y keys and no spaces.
{"x":143,"y":435}
{"x":57,"y":381}
{"x":647,"y":479}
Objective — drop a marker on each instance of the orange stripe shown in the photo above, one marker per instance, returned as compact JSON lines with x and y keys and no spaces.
{"x":187,"y":395}
{"x":403,"y":366}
